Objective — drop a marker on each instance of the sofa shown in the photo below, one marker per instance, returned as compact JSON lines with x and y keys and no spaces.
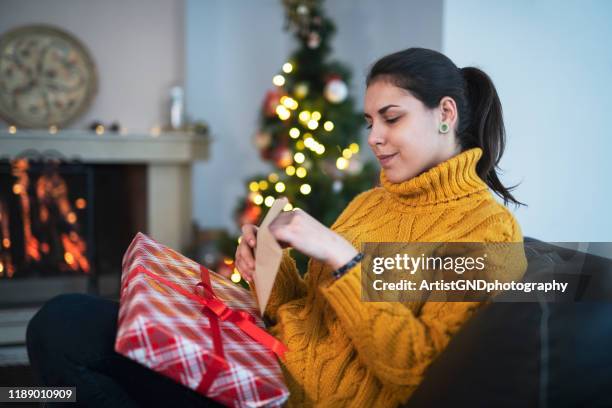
{"x":532,"y":354}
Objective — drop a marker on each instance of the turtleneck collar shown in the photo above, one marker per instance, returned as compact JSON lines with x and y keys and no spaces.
{"x":449,"y":180}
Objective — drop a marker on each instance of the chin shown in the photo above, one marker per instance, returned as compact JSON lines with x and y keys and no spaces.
{"x":396,"y":177}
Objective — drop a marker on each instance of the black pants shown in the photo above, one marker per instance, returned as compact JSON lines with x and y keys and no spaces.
{"x":71,"y":343}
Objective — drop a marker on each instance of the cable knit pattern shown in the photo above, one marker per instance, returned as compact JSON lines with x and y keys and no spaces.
{"x":345,"y":352}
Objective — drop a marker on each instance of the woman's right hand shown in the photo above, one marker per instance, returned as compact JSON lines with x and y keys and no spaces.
{"x":245,"y":253}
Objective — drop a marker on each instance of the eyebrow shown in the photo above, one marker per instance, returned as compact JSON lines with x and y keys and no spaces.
{"x":381,"y":110}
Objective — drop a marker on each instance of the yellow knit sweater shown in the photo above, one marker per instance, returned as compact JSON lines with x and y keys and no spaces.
{"x":345,"y":352}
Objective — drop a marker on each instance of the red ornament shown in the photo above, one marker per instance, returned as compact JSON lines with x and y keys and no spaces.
{"x":266,"y":154}
{"x":250,"y":215}
{"x":332,"y":77}
{"x":271,"y":101}
{"x":282,"y":157}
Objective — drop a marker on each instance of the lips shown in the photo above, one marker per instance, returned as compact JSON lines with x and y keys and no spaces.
{"x":384,"y":159}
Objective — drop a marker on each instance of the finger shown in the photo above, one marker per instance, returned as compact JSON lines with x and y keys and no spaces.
{"x":249,"y":234}
{"x":238,"y":265}
{"x":248,"y":273}
{"x":246,"y":254}
{"x":243,"y":272}
{"x":243,"y":269}
{"x":281,"y":233}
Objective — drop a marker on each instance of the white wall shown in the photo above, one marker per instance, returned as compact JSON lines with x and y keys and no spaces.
{"x":551,"y":62}
{"x":233,"y":50}
{"x":368,"y":30}
{"x":138,"y":47}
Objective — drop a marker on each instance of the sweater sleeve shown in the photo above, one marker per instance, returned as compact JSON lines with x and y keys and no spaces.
{"x":392,"y":341}
{"x":288,"y":285}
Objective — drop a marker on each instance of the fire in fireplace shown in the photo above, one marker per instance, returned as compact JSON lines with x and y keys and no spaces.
{"x":45,"y":218}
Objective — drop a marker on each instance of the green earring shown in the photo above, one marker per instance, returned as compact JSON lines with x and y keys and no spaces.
{"x":444,"y":127}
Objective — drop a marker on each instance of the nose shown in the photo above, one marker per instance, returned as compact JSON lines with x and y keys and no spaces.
{"x":376,"y":136}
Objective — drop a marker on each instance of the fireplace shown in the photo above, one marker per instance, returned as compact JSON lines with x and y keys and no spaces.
{"x":64,"y":226}
{"x":110,"y":186}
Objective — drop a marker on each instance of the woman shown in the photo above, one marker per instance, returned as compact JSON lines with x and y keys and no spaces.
{"x":438,"y":134}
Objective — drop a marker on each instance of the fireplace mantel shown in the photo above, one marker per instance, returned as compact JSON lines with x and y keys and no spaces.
{"x":167,"y":156}
{"x":109,"y":147}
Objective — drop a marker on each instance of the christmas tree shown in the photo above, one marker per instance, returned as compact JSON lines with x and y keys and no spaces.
{"x":309,"y":131}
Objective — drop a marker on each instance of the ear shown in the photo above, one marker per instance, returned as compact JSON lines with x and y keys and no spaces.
{"x":448,"y":111}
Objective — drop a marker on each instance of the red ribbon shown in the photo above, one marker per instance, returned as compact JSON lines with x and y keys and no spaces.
{"x":216,"y":310}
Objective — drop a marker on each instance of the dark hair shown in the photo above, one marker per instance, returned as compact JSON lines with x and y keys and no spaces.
{"x":430,"y":76}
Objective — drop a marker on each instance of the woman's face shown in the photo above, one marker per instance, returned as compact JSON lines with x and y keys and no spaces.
{"x":404,"y":133}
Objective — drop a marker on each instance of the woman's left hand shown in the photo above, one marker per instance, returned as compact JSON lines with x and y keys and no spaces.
{"x":299,"y":230}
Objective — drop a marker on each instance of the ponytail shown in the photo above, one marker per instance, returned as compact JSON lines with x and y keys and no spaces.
{"x":485,"y":129}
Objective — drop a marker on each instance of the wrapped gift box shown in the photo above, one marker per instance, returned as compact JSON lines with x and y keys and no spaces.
{"x":196,"y":327}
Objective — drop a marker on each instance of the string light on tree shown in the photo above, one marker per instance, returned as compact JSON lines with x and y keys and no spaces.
{"x":279,"y":187}
{"x":304,"y":116}
{"x":273,"y":178}
{"x":278,"y":80}
{"x":299,"y":157}
{"x":301,"y":90}
{"x":282,"y":112}
{"x":287,"y":207}
{"x":289,"y":103}
{"x":263,"y":185}
{"x":341,"y":163}
{"x":287,"y":67}
{"x":258,"y":200}
{"x":235,"y":276}
{"x":290,"y":170}
{"x":254,"y":186}
{"x":300,"y":172}
{"x":294,"y":133}
{"x":269,"y":201}
{"x":328,"y":125}
{"x":347,"y":153}
{"x":305,"y":189}
{"x":354,"y":148}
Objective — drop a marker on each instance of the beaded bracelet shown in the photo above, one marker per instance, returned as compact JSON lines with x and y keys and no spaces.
{"x":338,"y":273}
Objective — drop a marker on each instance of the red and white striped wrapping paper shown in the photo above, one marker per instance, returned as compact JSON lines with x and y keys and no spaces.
{"x":164,"y":325}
